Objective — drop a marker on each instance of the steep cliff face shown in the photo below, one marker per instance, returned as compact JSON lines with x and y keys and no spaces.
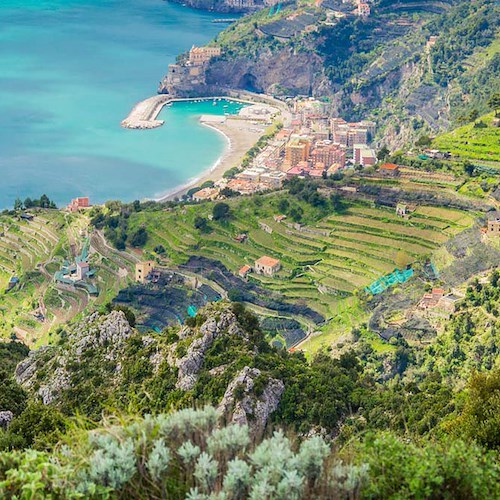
{"x":284,"y":72}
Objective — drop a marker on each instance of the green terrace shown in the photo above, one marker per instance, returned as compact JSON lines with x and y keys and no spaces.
{"x":32,"y":250}
{"x":323,"y":262}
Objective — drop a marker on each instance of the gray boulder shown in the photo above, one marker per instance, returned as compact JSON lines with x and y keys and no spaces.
{"x":5,"y":418}
{"x":250,"y":409}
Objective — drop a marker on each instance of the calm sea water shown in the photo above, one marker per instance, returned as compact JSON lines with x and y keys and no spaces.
{"x":70,"y":71}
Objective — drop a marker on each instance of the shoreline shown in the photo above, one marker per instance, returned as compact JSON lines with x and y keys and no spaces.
{"x":240,"y":133}
{"x":239,"y":139}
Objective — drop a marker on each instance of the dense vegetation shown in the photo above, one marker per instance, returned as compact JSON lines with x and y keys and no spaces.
{"x":184,"y":455}
{"x":184,"y":451}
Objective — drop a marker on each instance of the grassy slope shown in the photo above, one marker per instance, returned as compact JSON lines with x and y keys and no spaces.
{"x":470,"y":142}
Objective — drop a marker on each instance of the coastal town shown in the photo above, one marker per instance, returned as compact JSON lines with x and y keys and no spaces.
{"x":309,"y":144}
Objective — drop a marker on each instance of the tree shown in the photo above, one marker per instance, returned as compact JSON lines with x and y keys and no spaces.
{"x":139,"y":237}
{"x":39,"y":426}
{"x":423,"y":140}
{"x":207,"y":184}
{"x":336,"y":202}
{"x":469,"y":168}
{"x":45,"y":201}
{"x":402,"y":259}
{"x":283,"y":205}
{"x":201,"y":224}
{"x":479,"y":419}
{"x":28,"y":203}
{"x":494,"y":102}
{"x":136,"y":205}
{"x":159,"y":249}
{"x":221,"y":211}
{"x":383,"y":153}
{"x":228,"y":192}
{"x":18,"y":204}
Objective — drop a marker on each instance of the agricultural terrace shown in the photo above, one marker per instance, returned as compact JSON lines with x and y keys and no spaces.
{"x":474,"y":141}
{"x":324,"y":262}
{"x":33,"y":251}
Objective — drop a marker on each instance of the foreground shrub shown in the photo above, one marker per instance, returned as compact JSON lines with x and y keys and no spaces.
{"x":186,"y":455}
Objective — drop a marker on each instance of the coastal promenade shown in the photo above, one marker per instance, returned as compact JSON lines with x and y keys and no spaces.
{"x":144,"y":113}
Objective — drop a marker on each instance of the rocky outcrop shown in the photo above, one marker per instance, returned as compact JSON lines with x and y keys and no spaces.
{"x":191,"y":363}
{"x":105,"y":334}
{"x":241,"y":405}
{"x":284,"y":72}
{"x":5,"y":418}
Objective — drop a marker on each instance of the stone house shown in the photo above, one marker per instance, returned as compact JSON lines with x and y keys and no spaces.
{"x":143,"y":270}
{"x":267,"y":265}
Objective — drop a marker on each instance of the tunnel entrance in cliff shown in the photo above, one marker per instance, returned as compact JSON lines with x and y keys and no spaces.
{"x":249,"y":82}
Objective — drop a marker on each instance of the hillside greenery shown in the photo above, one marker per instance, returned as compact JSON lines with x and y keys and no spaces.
{"x":184,"y":455}
{"x":477,"y":140}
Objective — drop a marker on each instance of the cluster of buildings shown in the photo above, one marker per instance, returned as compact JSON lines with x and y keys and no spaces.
{"x":438,"y":299}
{"x":312,"y":145}
{"x":78,"y":273}
{"x":345,"y":8}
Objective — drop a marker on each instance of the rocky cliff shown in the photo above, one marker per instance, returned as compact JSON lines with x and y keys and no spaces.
{"x":102,"y":361}
{"x":384,"y":67}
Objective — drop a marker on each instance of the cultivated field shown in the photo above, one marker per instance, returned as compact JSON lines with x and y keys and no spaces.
{"x":32,"y":251}
{"x":324,"y":263}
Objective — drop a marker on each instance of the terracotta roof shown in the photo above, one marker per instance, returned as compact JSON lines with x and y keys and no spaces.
{"x":245,"y":269}
{"x":389,"y":166}
{"x":267,"y":261}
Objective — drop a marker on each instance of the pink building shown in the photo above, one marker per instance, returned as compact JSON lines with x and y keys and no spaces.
{"x":76,"y":203}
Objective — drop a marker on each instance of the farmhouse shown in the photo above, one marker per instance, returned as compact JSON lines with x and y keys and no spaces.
{"x":244,"y":271}
{"x":431,"y":299}
{"x":389,"y":169}
{"x":143,"y":270}
{"x":494,"y":226}
{"x":82,"y":269}
{"x":76,"y":203}
{"x":208,"y":193}
{"x":401,"y":209}
{"x":267,"y":265}
{"x":449,"y":302}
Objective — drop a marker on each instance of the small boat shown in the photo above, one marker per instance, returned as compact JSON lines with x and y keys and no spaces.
{"x":214,"y":103}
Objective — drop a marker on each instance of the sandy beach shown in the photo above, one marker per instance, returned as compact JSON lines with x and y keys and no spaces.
{"x":241,"y":135}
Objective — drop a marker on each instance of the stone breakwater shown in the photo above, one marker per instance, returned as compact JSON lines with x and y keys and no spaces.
{"x":144,"y":113}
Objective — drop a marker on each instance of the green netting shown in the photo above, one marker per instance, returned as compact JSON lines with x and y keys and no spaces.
{"x":397,"y":276}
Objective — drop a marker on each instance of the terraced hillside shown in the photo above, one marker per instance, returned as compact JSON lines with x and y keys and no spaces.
{"x":324,"y":263}
{"x":474,"y":141}
{"x":31,"y":251}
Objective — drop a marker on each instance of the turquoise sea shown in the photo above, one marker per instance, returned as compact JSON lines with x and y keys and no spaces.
{"x":70,"y":71}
